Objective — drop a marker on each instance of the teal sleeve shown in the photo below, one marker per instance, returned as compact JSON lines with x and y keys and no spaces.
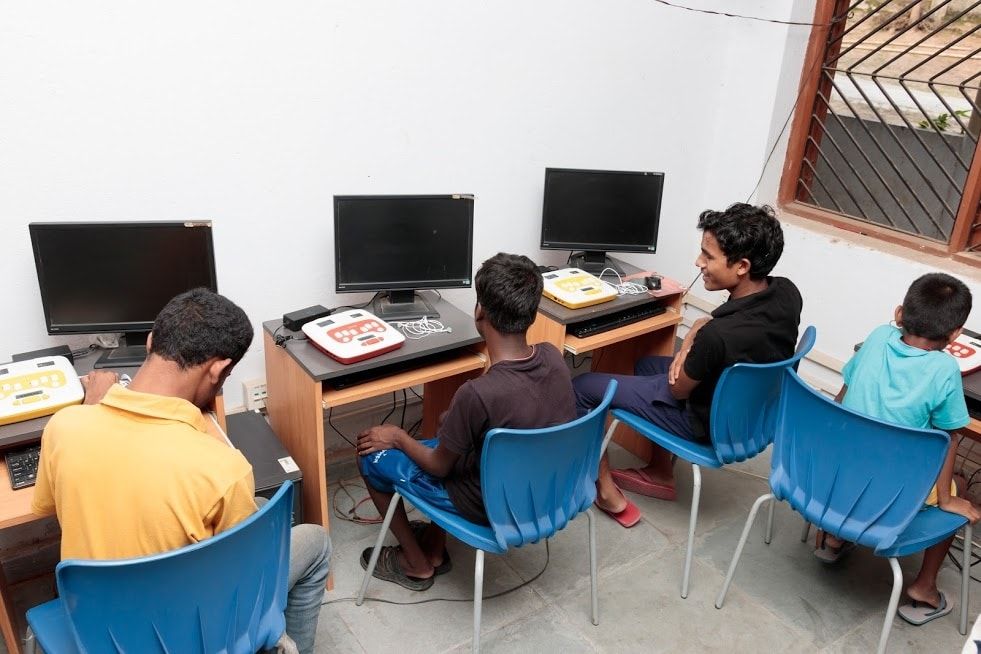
{"x":951,"y":410}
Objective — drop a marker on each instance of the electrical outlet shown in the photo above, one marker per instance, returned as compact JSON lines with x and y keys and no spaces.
{"x":255,"y":393}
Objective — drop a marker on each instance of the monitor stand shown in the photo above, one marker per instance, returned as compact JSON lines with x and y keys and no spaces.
{"x":594,"y":262}
{"x":403,"y":306}
{"x":131,"y":352}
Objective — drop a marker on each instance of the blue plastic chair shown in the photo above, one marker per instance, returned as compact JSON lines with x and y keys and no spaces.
{"x":533,"y":481}
{"x":860,"y":479}
{"x":224,"y":594}
{"x":741,"y":426}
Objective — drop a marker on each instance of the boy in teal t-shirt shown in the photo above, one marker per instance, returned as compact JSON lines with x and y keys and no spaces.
{"x":902,"y":375}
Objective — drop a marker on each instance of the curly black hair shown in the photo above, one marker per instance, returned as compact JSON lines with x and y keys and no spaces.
{"x":509,"y":288}
{"x":936,"y":305}
{"x":199,"y":325}
{"x":746,"y":232}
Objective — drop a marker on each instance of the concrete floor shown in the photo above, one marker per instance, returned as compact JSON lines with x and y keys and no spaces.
{"x":783,"y":598}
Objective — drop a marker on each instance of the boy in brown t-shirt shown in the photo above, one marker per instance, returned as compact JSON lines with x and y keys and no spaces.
{"x":526,"y":387}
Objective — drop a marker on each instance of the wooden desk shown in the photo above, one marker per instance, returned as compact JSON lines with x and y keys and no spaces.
{"x":614,"y":351}
{"x":15,"y":505}
{"x":298,"y":380}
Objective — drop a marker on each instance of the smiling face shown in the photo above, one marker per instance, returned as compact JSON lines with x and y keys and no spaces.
{"x":717,"y":273}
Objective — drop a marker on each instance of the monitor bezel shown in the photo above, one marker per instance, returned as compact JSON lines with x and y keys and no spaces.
{"x":110,"y":327}
{"x":605,"y":247}
{"x":420,"y":284}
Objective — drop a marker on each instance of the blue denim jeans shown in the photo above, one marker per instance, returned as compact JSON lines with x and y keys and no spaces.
{"x":309,"y":564}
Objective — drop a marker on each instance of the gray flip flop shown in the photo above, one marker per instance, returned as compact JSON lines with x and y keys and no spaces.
{"x":387,"y":569}
{"x":919,"y":613}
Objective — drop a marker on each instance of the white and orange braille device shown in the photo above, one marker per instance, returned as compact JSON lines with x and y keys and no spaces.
{"x":966,"y":350}
{"x":353,"y":335}
{"x":37,"y":387}
{"x":576,"y":288}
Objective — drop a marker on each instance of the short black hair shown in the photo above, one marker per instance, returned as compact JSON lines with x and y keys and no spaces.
{"x":746,"y":232}
{"x":199,"y":325}
{"x":936,"y":305}
{"x":509,"y":288}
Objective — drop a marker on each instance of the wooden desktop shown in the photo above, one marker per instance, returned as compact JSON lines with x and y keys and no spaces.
{"x":299,"y":381}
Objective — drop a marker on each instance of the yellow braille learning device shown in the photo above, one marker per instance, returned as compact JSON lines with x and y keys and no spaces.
{"x":576,"y":288}
{"x":37,"y":387}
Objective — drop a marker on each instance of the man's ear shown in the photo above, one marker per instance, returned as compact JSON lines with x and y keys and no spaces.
{"x":742,"y":267}
{"x":218,"y":369}
{"x":149,"y":341}
{"x":898,"y":316}
{"x":478,"y":312}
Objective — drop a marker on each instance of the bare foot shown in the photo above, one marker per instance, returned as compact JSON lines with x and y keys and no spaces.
{"x":613,"y":501}
{"x":929,"y":596}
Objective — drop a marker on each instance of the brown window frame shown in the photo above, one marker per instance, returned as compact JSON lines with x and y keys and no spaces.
{"x":968,"y":213}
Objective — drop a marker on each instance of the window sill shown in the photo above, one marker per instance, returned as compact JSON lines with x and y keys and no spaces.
{"x":967,"y":264}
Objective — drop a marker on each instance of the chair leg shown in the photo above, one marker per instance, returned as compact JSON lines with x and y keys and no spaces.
{"x":30,"y":642}
{"x":696,"y":473}
{"x":897,"y":586}
{"x":609,"y":434}
{"x":478,"y":597}
{"x":739,"y":547}
{"x":593,"y":589}
{"x":805,"y":531}
{"x":768,"y":536}
{"x":966,"y":575}
{"x":376,"y":550}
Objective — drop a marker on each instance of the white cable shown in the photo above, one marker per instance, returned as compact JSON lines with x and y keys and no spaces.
{"x":622,"y":287}
{"x":416,"y":329}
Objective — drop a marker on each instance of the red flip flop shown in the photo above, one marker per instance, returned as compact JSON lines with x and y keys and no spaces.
{"x":628,"y":517}
{"x":636,"y":480}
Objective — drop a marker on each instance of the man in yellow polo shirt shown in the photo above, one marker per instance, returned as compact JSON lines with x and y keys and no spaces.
{"x":134,"y":471}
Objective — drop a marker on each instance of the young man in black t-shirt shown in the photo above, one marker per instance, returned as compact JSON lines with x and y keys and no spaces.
{"x":526,"y":387}
{"x":758,"y":324}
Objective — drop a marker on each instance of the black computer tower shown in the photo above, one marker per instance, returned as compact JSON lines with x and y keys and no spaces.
{"x":271,"y":463}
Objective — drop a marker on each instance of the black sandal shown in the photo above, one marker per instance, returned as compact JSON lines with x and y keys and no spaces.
{"x":418,"y":529}
{"x":388,"y":569}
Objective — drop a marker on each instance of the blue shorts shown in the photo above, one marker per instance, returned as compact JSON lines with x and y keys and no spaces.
{"x":383,"y":469}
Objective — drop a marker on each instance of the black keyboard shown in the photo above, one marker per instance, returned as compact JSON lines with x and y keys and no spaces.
{"x":610,"y":321}
{"x":22,"y":465}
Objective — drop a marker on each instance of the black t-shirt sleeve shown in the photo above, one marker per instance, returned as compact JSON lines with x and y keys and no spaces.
{"x":465,"y":421}
{"x":707,"y":356}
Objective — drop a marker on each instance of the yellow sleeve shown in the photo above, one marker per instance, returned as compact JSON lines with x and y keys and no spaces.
{"x":43,"y":502}
{"x":237,"y":504}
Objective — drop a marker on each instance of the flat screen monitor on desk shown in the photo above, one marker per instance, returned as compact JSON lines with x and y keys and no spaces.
{"x":116,"y":276}
{"x":600,"y":211}
{"x":399,"y":244}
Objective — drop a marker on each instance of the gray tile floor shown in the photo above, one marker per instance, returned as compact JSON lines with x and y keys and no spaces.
{"x":783,"y":598}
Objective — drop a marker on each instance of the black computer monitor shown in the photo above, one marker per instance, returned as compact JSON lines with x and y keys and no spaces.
{"x":400,"y":244}
{"x":600,"y":211}
{"x":116,"y":277}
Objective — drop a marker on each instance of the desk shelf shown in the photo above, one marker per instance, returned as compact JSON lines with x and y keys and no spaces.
{"x":575,"y":345}
{"x":15,"y":505}
{"x":459,"y":365}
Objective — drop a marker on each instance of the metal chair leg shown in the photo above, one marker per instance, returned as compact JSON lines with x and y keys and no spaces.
{"x":966,"y":575}
{"x":768,"y":535}
{"x":30,"y":642}
{"x":609,"y":434}
{"x":693,"y":518}
{"x":805,"y":531}
{"x":376,"y":550}
{"x":739,"y":548}
{"x":897,"y":586}
{"x":478,"y":597}
{"x":593,"y":588}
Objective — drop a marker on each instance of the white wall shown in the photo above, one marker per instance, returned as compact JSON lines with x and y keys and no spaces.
{"x":254,"y":115}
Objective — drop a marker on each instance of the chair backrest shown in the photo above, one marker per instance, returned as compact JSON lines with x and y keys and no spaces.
{"x":744,"y":407}
{"x":856,"y":477}
{"x":224,"y":594}
{"x":534,"y":481}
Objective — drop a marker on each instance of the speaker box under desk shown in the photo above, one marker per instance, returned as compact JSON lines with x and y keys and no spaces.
{"x":271,"y":463}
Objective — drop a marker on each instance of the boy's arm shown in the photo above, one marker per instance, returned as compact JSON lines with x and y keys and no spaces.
{"x":945,"y":500}
{"x":701,"y":353}
{"x":436,"y":461}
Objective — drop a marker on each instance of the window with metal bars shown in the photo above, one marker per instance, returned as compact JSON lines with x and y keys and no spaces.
{"x":885,"y":139}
